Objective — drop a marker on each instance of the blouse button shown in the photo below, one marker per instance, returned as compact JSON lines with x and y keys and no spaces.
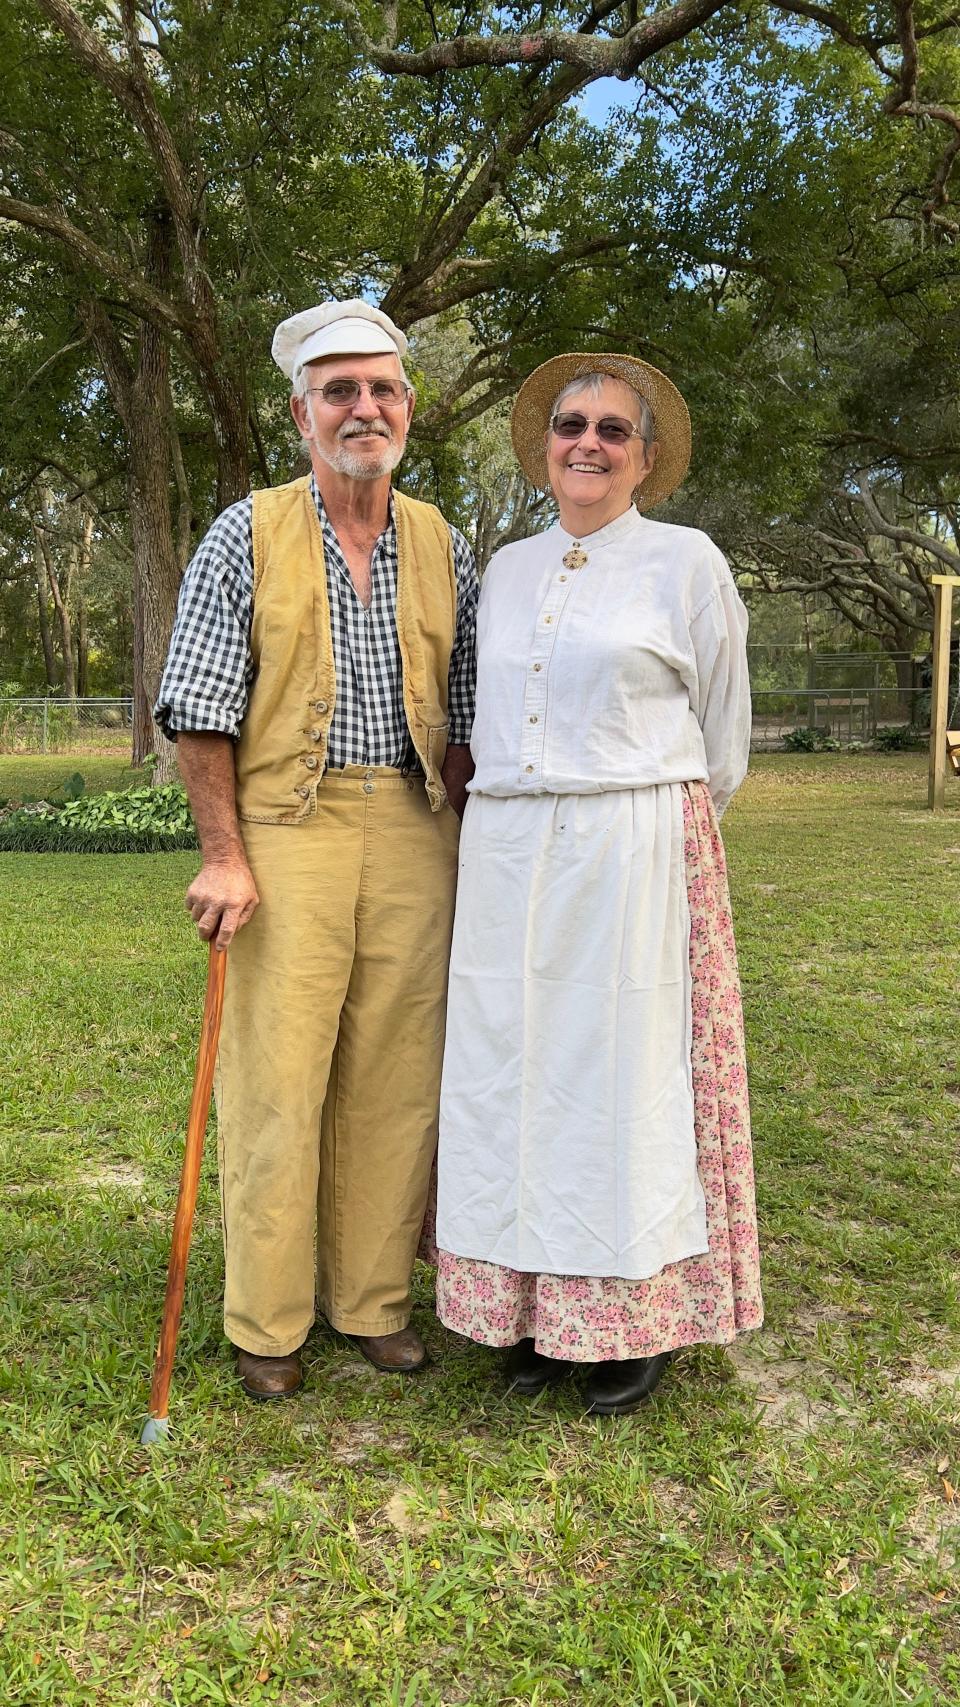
{"x":538,"y":666}
{"x":528,"y":769}
{"x":548,"y":619}
{"x":533,"y":719}
{"x":563,"y":577}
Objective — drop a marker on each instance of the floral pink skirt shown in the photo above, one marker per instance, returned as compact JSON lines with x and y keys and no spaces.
{"x":703,"y":1299}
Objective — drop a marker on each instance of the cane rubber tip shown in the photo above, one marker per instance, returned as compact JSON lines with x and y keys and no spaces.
{"x":154,"y":1429}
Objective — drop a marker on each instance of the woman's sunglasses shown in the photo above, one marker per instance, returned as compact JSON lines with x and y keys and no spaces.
{"x":611,"y":429}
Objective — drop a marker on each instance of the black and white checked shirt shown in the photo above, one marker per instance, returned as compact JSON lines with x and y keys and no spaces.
{"x":209,"y":667}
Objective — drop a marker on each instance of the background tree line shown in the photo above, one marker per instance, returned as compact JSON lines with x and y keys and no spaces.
{"x":768,"y":212}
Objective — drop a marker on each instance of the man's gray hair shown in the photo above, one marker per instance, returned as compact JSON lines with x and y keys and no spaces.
{"x":592,"y":384}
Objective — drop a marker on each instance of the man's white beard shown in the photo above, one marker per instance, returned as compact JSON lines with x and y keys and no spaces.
{"x":357,"y":466}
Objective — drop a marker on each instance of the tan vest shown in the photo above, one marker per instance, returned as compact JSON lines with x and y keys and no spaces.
{"x":281,"y":752}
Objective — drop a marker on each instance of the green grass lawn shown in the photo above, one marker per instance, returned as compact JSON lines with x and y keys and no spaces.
{"x":779,"y":1525}
{"x":33,"y":776}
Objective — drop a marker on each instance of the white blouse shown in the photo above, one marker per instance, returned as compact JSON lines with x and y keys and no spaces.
{"x":628,"y":671}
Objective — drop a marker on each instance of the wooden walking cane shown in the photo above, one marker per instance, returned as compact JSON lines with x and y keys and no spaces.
{"x":158,"y":1423}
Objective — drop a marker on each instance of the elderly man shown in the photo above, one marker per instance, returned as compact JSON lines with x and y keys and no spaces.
{"x":320,"y":688}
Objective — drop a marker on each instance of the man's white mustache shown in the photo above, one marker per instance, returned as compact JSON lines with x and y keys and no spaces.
{"x":363,"y":429}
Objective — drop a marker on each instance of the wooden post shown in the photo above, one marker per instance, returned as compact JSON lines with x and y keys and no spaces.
{"x":943,"y":586}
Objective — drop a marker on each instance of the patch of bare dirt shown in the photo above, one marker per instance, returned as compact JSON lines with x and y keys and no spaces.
{"x":808,"y":1320}
{"x":776,"y":1383}
{"x":407,"y":1514}
{"x":675,"y":1503}
{"x":354,"y":1442}
{"x":115,"y":1176}
{"x":926,"y":1383}
{"x":934,"y":1528}
{"x":279,"y":1482}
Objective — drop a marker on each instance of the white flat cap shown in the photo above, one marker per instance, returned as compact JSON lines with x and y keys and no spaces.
{"x":335,"y":329}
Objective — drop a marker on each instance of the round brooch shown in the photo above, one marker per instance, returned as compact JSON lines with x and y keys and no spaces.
{"x":576,"y":557}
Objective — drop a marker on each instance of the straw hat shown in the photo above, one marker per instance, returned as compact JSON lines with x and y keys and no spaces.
{"x":671,"y":420}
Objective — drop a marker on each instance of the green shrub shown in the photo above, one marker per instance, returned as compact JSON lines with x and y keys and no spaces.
{"x":901,"y":739}
{"x":134,"y":820}
{"x":804,"y":740}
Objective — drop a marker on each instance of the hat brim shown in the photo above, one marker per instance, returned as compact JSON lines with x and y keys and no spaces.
{"x":530,"y":419}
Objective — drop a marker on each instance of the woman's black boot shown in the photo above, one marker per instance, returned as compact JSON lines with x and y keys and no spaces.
{"x":528,"y":1371}
{"x":614,"y":1389}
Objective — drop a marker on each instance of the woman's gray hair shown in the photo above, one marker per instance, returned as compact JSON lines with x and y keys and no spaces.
{"x":592,"y":384}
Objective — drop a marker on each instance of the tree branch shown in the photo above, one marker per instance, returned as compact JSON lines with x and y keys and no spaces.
{"x":904,"y":536}
{"x":616,"y":56}
{"x":161,"y":311}
{"x":132,"y":89}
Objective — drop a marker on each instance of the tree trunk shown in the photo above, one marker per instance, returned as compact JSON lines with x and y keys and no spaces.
{"x":83,"y":647}
{"x":184,"y":502}
{"x":907,"y":686}
{"x":141,"y":396}
{"x":156,"y":565}
{"x":60,"y":604}
{"x":83,"y":575}
{"x":226,"y":397}
{"x":46,"y":639}
{"x":229,"y":414}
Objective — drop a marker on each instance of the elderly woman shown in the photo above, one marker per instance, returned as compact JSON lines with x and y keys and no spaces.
{"x":595,"y":1192}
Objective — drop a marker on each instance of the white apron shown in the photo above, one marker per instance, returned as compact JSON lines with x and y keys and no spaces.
{"x":566,"y":1118}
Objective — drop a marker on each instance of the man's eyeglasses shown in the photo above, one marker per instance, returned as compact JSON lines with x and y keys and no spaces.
{"x":341,"y":393}
{"x":611,"y":429}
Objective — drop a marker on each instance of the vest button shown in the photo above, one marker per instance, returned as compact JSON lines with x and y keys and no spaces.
{"x":369,"y":787}
{"x":311,"y":762}
{"x":320,"y":707}
{"x":316,"y":734}
{"x":304,"y":793}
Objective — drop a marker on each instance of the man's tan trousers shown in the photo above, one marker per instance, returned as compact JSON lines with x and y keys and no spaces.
{"x":330,"y":1053}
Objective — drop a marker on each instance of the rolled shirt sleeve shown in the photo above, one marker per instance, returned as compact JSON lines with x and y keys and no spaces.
{"x":462,"y":682}
{"x":209,"y":668}
{"x":719,"y":633}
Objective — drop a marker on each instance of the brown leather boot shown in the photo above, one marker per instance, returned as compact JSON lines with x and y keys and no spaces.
{"x":269,"y":1377}
{"x":401,"y":1353}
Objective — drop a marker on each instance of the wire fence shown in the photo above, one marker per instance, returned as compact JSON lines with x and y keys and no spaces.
{"x":103,"y":726}
{"x":78,"y":726}
{"x":848,"y":714}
